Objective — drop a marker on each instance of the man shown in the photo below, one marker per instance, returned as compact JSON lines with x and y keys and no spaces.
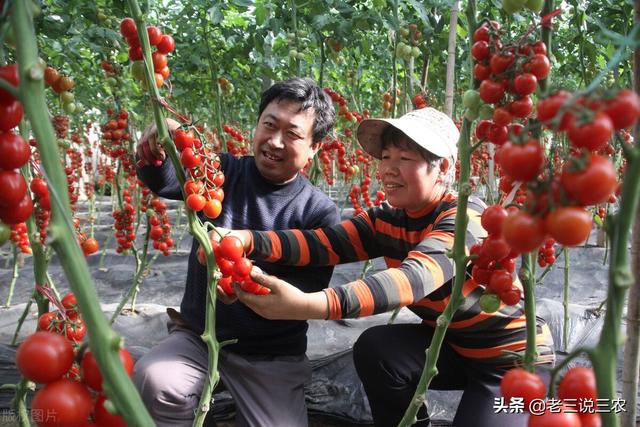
{"x":266,"y":369}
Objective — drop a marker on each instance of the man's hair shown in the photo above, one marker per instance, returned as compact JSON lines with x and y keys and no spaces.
{"x":307,"y":92}
{"x":392,"y":136}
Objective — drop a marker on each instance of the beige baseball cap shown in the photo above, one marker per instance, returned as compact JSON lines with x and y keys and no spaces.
{"x":429,"y":128}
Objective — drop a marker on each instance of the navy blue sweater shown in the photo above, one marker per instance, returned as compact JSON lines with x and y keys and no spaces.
{"x":253,"y":203}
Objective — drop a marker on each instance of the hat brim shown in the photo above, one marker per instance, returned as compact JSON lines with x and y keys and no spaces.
{"x":370,"y":132}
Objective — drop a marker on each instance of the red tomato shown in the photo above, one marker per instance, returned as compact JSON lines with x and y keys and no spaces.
{"x":155,"y":35}
{"x":578,"y":383}
{"x":242,"y":267}
{"x":591,"y":185}
{"x":189,"y":159}
{"x":554,"y":419}
{"x":511,"y":297}
{"x":226,"y":284}
{"x":212,"y":208}
{"x":569,"y":225}
{"x":39,"y":187}
{"x":218,"y":179}
{"x":482,"y":129}
{"x":128,"y":28}
{"x":14,"y":151}
{"x":103,"y":418}
{"x":481,"y":72}
{"x":10,"y":115}
{"x":17,"y":213}
{"x":44,"y":357}
{"x":62,"y":403}
{"x":166,"y":45}
{"x":624,"y":109}
{"x":525,"y":84}
{"x":501,"y":116}
{"x":492,"y":218}
{"x":250,"y":286}
{"x":523,"y":231}
{"x":183,"y":139}
{"x":480,"y":50}
{"x":500,"y":281}
{"x":91,"y":375}
{"x":481,"y":33}
{"x":69,"y":302}
{"x":592,"y":135}
{"x":522,"y":107}
{"x":14,"y":187}
{"x":226,"y":266}
{"x":231,"y":248}
{"x":75,"y":330}
{"x":159,"y":61}
{"x":498,"y":135}
{"x":196,"y":202}
{"x":548,"y":108}
{"x":519,"y":382}
{"x":500,"y":62}
{"x":522,"y":162}
{"x":89,"y":246}
{"x":491,"y":91}
{"x":539,"y":66}
{"x":495,"y":248}
{"x":193,"y":187}
{"x":48,"y":321}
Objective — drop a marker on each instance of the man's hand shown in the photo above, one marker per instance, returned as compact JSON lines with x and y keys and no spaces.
{"x":149,"y":150}
{"x":284,"y":301}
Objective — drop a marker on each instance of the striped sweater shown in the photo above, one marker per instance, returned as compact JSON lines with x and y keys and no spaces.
{"x":420,"y":275}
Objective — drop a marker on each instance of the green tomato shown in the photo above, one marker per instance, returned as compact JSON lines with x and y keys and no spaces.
{"x":485,"y":112}
{"x":5,"y":231}
{"x":534,"y":5}
{"x":512,"y":6}
{"x":471,"y":100}
{"x":137,"y":70}
{"x":415,"y":51}
{"x":489,"y":303}
{"x":69,"y":107}
{"x":470,"y":114}
{"x":404,"y":32}
{"x":293,"y":53}
{"x":406,"y":52}
{"x":101,"y":16}
{"x":66,"y":97}
{"x":300,"y":55}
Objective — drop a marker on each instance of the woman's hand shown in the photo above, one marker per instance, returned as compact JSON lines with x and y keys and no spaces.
{"x":284,"y":301}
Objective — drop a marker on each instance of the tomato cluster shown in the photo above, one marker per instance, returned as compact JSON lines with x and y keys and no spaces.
{"x":235,"y":268}
{"x":420,"y":101}
{"x":408,"y":46}
{"x":15,"y":202}
{"x":48,"y":357}
{"x":18,"y":234}
{"x":62,"y":86}
{"x":343,"y":110}
{"x":115,"y":138}
{"x":164,"y":44}
{"x":238,"y":145}
{"x":159,"y":225}
{"x":203,"y":188}
{"x":576,"y":401}
{"x":387,"y":98}
{"x":124,"y":223}
{"x":494,"y":264}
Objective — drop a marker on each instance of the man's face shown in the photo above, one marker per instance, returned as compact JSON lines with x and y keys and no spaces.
{"x":282,"y":141}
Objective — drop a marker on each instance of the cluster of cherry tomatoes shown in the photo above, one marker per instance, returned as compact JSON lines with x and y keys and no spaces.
{"x":164,"y":44}
{"x":125,"y":223}
{"x":233,"y":265}
{"x":420,"y":101}
{"x":238,"y":145}
{"x":18,"y":234}
{"x":115,"y":135}
{"x":15,"y":202}
{"x":160,"y":227}
{"x":203,"y":188}
{"x":49,"y":357}
{"x":387,"y":98}
{"x":62,"y":86}
{"x":495,"y":263}
{"x":576,"y":403}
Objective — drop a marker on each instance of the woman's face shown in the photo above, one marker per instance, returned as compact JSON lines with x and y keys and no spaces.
{"x":407,"y":178}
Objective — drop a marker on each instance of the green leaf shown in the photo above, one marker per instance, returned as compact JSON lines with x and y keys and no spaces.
{"x":215,"y":15}
{"x":261,"y":14}
{"x":419,"y":6}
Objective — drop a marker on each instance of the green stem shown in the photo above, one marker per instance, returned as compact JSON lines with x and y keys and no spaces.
{"x":23,"y":316}
{"x":19,"y":402}
{"x":103,"y":341}
{"x":528,"y":284}
{"x":14,"y":273}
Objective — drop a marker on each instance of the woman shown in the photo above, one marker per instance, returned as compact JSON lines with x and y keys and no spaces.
{"x":413,"y":231}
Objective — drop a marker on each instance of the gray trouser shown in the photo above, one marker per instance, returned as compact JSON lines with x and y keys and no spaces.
{"x":267,"y":390}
